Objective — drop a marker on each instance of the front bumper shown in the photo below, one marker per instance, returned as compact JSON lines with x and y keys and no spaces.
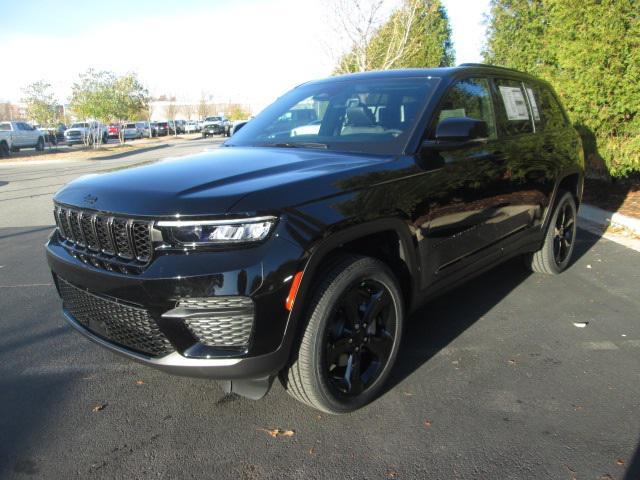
{"x":259,"y":272}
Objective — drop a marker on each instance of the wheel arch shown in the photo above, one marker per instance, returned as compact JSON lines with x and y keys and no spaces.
{"x":388,"y":240}
{"x":571,"y":181}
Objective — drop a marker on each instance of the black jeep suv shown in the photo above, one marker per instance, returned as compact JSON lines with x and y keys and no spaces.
{"x":299,"y":248}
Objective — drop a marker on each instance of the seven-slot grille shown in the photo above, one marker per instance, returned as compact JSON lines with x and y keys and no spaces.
{"x":126,"y":325}
{"x":105,"y":240}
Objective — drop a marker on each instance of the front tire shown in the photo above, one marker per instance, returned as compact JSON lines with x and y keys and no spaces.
{"x":351,"y":340}
{"x":555,"y":255}
{"x":40,"y":144}
{"x":5,"y":151}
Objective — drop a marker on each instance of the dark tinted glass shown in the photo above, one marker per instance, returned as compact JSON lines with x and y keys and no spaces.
{"x":514,"y":118}
{"x":469,"y":98}
{"x":359,"y":115}
{"x":551,"y":111}
{"x":535,"y":104}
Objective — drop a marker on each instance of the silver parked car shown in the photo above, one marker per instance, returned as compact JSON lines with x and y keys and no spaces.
{"x":145,"y":129}
{"x":131,"y":131}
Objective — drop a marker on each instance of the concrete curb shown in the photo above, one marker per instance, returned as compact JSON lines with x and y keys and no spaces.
{"x":606,"y":218}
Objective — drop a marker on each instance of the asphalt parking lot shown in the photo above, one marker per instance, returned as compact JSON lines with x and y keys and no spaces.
{"x":513,"y":376}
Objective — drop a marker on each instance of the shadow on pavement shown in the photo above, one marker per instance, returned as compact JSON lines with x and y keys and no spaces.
{"x":25,"y":427}
{"x":132,"y":152}
{"x":26,"y":232}
{"x":439,"y":322}
{"x":633,"y":472}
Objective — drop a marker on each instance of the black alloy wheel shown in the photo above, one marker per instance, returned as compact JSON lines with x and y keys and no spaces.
{"x":555,"y":254}
{"x":564,"y":233}
{"x":352,"y":333}
{"x":359,"y":338}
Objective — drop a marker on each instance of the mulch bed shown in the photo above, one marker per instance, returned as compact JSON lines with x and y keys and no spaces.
{"x":618,"y":196}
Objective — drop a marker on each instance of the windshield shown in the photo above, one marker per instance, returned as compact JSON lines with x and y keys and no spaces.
{"x":212,"y":119}
{"x":80,"y":125}
{"x":358,"y":115}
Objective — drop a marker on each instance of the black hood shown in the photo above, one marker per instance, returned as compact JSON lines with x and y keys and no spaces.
{"x":213,"y":182}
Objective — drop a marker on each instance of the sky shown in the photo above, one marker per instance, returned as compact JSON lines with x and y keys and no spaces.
{"x":244,"y":51}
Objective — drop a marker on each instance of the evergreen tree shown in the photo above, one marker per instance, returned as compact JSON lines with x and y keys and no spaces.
{"x":417,"y":34}
{"x":590,"y":53}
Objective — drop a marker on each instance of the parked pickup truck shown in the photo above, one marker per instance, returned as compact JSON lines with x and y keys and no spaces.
{"x":86,"y":132}
{"x":17,"y":135}
{"x":213,"y":126}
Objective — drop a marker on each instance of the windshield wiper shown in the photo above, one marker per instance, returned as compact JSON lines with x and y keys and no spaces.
{"x":296,"y":145}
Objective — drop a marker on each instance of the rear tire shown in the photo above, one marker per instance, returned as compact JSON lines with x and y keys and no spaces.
{"x":40,"y":144}
{"x":555,"y":255}
{"x":351,"y":339}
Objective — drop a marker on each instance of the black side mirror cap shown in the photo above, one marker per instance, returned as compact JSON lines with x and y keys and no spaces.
{"x":458,"y":132}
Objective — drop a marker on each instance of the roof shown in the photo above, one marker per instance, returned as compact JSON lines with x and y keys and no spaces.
{"x":424,"y":72}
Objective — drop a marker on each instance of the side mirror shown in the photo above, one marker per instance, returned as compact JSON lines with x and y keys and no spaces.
{"x":458,"y":132}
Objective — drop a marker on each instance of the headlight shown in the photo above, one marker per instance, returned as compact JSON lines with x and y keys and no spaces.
{"x":218,"y":232}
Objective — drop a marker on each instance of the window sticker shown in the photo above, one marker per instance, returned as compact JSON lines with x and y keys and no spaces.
{"x":514,"y":103}
{"x":534,"y":105}
{"x":454,"y":113}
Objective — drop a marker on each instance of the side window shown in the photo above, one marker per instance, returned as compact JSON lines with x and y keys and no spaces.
{"x":469,"y":98}
{"x":514,"y":112}
{"x":551,"y":111}
{"x":533,"y":97}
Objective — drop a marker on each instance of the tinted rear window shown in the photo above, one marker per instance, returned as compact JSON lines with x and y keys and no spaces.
{"x":514,"y":118}
{"x":552,"y":114}
{"x":5,"y":127}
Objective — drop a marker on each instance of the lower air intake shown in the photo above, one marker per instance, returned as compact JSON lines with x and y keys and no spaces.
{"x":128,"y":326}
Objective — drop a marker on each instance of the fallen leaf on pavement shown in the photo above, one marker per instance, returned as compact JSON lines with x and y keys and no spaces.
{"x":619,"y":461}
{"x":427,"y":423}
{"x":139,"y":382}
{"x":278,"y":432}
{"x":392,"y":474}
{"x":99,"y":407}
{"x":580,"y":324}
{"x":512,"y":362}
{"x":312,"y":451}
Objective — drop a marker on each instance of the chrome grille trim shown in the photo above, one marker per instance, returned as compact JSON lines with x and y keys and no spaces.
{"x":105,"y":241}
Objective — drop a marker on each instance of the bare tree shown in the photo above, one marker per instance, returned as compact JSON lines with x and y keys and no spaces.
{"x":374,"y":33}
{"x":399,"y":41}
{"x":188,"y":111}
{"x":171,"y":111}
{"x":8,"y":111}
{"x":202,"y":108}
{"x":354,"y":23}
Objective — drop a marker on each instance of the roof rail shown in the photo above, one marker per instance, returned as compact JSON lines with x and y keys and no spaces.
{"x":490,"y":66}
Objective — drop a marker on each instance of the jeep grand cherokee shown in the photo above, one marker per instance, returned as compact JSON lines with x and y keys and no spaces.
{"x":301,"y":255}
